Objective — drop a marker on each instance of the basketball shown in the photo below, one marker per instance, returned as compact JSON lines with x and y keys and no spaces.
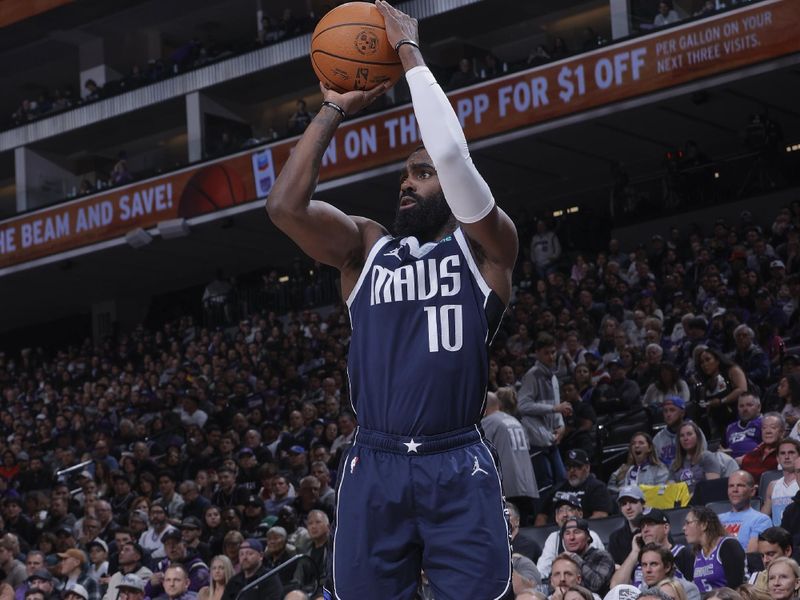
{"x":350,"y":51}
{"x":212,"y":188}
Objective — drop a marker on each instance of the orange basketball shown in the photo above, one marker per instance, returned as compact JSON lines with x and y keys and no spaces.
{"x":350,"y":51}
{"x":213,"y":187}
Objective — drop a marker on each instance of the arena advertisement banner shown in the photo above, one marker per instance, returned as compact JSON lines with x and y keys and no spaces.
{"x":675,"y":56}
{"x":187,"y":193}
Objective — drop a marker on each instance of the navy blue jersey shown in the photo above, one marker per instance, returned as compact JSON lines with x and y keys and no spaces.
{"x":422,"y":319}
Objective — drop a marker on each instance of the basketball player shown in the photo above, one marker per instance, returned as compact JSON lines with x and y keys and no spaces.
{"x":419,"y":488}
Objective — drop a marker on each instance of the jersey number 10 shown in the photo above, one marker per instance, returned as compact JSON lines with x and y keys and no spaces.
{"x":445,"y":327}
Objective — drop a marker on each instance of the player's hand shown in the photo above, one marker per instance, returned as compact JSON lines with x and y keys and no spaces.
{"x":355,"y":101}
{"x":399,"y":26}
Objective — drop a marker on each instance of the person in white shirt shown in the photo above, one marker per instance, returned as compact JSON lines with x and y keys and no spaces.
{"x":779,"y":493}
{"x":567,"y":506}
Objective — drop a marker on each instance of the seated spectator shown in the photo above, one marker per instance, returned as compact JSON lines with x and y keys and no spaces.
{"x":98,"y":560}
{"x":176,"y":585}
{"x":631,"y":506}
{"x":743,"y":522}
{"x":525,"y":577}
{"x":723,"y":383}
{"x":718,"y":560}
{"x":278,"y":552}
{"x":152,"y":540}
{"x":567,"y":506}
{"x":545,"y":249}
{"x":14,"y":570}
{"x":220,"y":574}
{"x":251,"y":558}
{"x":744,"y":434}
{"x":666,"y":14}
{"x":668,"y":383}
{"x":641,"y":467}
{"x":752,"y":359}
{"x":463,"y":76}
{"x":647,"y":565}
{"x":673,"y":411}
{"x":772,"y":543}
{"x":566,"y":575}
{"x":177,"y":554}
{"x":780,"y":492}
{"x":72,"y":568}
{"x":300,"y":118}
{"x":93,"y":91}
{"x":788,"y":393}
{"x":538,"y":56}
{"x":620,"y":394}
{"x":597,"y":565}
{"x":764,"y":457}
{"x":131,"y":570}
{"x":783,"y":579}
{"x":693,"y":462}
{"x":595,"y":500}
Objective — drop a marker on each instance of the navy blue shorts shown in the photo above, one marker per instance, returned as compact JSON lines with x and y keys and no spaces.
{"x":428,"y":503}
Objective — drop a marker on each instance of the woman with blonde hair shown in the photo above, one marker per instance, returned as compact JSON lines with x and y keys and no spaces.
{"x":748,"y":591}
{"x":642,"y":466}
{"x":220,"y":573}
{"x":672,"y":588}
{"x":783,"y":579}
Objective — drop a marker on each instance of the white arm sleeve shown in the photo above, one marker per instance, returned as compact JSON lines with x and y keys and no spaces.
{"x":466,"y":192}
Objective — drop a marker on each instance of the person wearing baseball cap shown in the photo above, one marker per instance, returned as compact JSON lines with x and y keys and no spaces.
{"x":131,"y":587}
{"x":631,"y":505}
{"x":595,"y":499}
{"x":131,"y":556}
{"x":673,"y":410}
{"x":71,"y":567}
{"x":653,"y":533}
{"x":75,"y":591}
{"x":567,"y":505}
{"x":191,"y":529}
{"x":251,"y":559}
{"x":597,"y":566}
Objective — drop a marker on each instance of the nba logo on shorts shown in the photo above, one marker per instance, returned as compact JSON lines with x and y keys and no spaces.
{"x":263,"y":172}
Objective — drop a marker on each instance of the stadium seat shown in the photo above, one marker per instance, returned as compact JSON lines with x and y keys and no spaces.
{"x":710,"y":490}
{"x":676,"y":518}
{"x":603,"y":527}
{"x":721,"y":506}
{"x":538,"y":534}
{"x":767,"y":478}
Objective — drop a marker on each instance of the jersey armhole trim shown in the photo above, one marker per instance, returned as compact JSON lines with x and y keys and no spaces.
{"x":473,"y":266}
{"x":365,"y":269}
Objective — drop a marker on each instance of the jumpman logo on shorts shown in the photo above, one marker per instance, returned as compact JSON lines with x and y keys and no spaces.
{"x":476,"y":467}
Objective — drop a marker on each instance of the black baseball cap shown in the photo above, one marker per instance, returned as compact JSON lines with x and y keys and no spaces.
{"x":654,"y":515}
{"x":577,"y":457}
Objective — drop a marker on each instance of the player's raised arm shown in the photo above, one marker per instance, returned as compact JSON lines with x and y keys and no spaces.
{"x":321,"y":230}
{"x":466,"y":192}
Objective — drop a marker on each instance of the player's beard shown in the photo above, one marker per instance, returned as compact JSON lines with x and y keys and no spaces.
{"x":425,"y":219}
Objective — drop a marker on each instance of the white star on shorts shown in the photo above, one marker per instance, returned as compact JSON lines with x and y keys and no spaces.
{"x":412,"y":446}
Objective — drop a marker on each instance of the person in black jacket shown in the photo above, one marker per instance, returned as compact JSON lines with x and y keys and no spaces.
{"x":790,"y":521}
{"x":251,"y":557}
{"x":631,"y":505}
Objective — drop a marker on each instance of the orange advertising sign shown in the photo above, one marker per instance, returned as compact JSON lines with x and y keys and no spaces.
{"x":12,"y":11}
{"x":678,"y":55}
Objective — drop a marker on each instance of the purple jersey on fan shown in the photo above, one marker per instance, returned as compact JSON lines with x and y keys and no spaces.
{"x":741,"y":439}
{"x":708,"y":571}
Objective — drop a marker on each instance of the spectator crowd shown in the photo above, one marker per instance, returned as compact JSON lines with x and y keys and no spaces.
{"x":182,"y":460}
